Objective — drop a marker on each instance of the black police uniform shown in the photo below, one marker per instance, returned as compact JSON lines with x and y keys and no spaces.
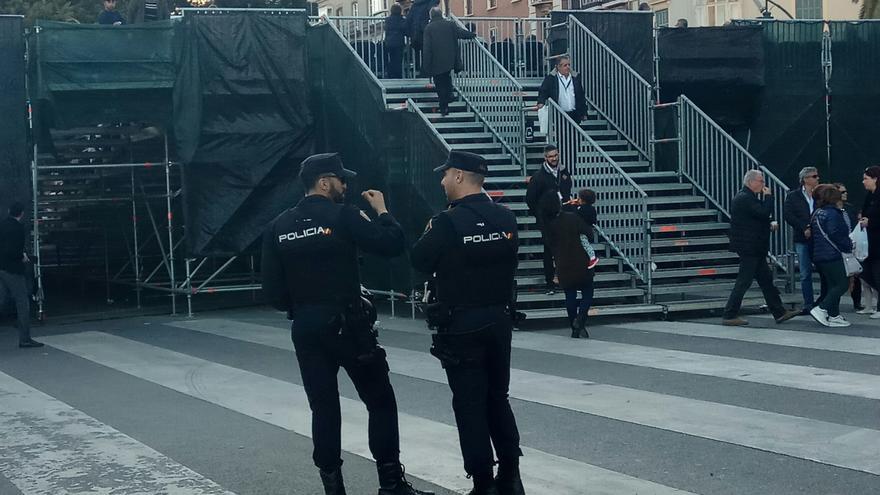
{"x":472,"y":249}
{"x":310,"y":270}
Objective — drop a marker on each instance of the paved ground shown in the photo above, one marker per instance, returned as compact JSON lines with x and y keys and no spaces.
{"x":213,"y":405}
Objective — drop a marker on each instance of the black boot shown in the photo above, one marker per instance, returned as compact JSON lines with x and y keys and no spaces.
{"x":332,"y":480}
{"x":393,"y":482}
{"x":575,"y":330}
{"x":581,"y":324}
{"x":484,"y":485}
{"x":508,"y":480}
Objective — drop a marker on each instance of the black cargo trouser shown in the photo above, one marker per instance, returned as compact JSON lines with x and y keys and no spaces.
{"x":476,"y":357}
{"x":320,"y":350}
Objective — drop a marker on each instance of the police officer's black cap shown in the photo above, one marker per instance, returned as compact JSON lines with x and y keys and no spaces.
{"x":462,"y":160}
{"x":325,"y":164}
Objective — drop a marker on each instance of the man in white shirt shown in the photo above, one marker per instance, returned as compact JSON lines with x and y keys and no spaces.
{"x":566,"y":88}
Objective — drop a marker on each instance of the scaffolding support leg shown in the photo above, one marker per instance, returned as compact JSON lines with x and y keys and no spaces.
{"x":134,"y":228}
{"x":170,"y":229}
{"x":189,"y":289}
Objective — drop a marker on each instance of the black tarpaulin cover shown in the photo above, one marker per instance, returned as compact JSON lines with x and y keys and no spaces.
{"x":721,"y":69}
{"x":242,"y":124}
{"x":15,"y":175}
{"x":628,"y":33}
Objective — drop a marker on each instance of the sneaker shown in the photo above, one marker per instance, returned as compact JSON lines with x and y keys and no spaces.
{"x":875,"y":315}
{"x":593,"y":262}
{"x":838,"y":321}
{"x":865,"y":311}
{"x":735,"y":322}
{"x":30,"y":343}
{"x":820,"y":315}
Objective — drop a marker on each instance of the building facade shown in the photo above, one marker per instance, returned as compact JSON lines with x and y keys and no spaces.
{"x":702,"y":13}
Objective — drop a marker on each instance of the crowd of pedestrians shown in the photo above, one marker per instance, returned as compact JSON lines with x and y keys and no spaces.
{"x":832,"y":237}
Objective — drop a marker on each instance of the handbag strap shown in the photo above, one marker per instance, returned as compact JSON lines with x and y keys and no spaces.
{"x":819,"y":224}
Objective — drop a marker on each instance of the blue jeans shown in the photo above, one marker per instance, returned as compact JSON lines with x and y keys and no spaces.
{"x":805,"y":265}
{"x":574,"y":307}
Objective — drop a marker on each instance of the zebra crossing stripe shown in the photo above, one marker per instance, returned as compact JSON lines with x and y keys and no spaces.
{"x":829,"y":443}
{"x":430,"y":449}
{"x":50,"y":448}
{"x":788,"y":338}
{"x":746,"y":370}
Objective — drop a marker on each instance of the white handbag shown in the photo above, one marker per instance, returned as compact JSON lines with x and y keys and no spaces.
{"x":850,"y":263}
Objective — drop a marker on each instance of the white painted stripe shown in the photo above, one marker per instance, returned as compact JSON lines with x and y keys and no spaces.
{"x":747,"y":370}
{"x":788,"y":338}
{"x":430,"y":449}
{"x":839,"y":445}
{"x":50,"y":448}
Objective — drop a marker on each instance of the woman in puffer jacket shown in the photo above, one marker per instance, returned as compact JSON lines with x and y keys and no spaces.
{"x":830,"y":227}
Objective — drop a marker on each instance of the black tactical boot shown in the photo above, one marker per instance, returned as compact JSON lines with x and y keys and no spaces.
{"x":332,"y":480}
{"x":393,"y":482}
{"x":508,"y":480}
{"x":484,"y":485}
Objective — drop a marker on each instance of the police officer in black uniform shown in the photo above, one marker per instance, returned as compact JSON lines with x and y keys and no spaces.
{"x":472,"y":250}
{"x":310,"y":270}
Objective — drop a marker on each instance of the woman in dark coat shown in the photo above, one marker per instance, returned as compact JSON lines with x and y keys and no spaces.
{"x":568,"y":238}
{"x":830,"y":235}
{"x":871,"y":222}
{"x":395,"y":31}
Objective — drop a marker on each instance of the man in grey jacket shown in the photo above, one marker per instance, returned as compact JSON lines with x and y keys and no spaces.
{"x":440,"y":54}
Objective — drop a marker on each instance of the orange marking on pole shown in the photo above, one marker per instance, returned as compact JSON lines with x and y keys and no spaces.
{"x":169,"y":215}
{"x":668,"y":228}
{"x":496,"y":194}
{"x":682,"y":243}
{"x":212,"y":290}
{"x":148,"y":165}
{"x":707,"y":271}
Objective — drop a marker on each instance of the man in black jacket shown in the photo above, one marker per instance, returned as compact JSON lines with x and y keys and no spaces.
{"x":12,"y":272}
{"x":550,"y":178}
{"x":798,"y":209}
{"x":750,"y":225}
{"x":310,"y":270}
{"x":440,"y":54}
{"x":566,"y":88}
{"x":472,"y":249}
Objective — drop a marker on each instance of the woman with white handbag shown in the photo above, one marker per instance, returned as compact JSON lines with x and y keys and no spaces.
{"x":832,"y":253}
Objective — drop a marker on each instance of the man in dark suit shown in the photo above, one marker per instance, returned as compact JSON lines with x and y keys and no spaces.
{"x":750,"y":225}
{"x":566,"y":88}
{"x":552,"y":179}
{"x":798,"y":209}
{"x":440,"y":54}
{"x":13,"y":283}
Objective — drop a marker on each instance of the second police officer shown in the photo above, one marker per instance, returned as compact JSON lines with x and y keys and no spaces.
{"x":471,"y":248}
{"x":310,"y":270}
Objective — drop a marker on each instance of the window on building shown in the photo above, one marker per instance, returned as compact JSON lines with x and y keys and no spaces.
{"x":491,"y":4}
{"x":716,"y":12}
{"x":354,"y":9}
{"x":339,"y":12}
{"x":493,"y":34}
{"x":385,"y":5}
{"x":808,"y":9}
{"x":468,"y":7}
{"x":661,"y":18}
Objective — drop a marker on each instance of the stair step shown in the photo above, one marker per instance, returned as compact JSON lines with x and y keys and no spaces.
{"x":459,"y":126}
{"x":452,"y":116}
{"x":685,"y":213}
{"x":506,"y":193}
{"x":690,"y":241}
{"x":599,"y":310}
{"x":478,"y":146}
{"x":719,"y":303}
{"x":473,"y":137}
{"x":690,"y":227}
{"x":668,"y":200}
{"x":514,"y":180}
{"x":539,"y":264}
{"x":538,"y":280}
{"x":600,"y":293}
{"x":697,"y":271}
{"x":538,"y":248}
{"x":700,"y":287}
{"x":636,"y":176}
{"x":694,"y":256}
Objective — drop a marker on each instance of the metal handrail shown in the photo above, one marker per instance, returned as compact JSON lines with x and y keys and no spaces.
{"x":360,"y":60}
{"x":519,"y":43}
{"x":715,"y":164}
{"x":493,"y":94}
{"x":622,"y":96}
{"x":622,"y":205}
